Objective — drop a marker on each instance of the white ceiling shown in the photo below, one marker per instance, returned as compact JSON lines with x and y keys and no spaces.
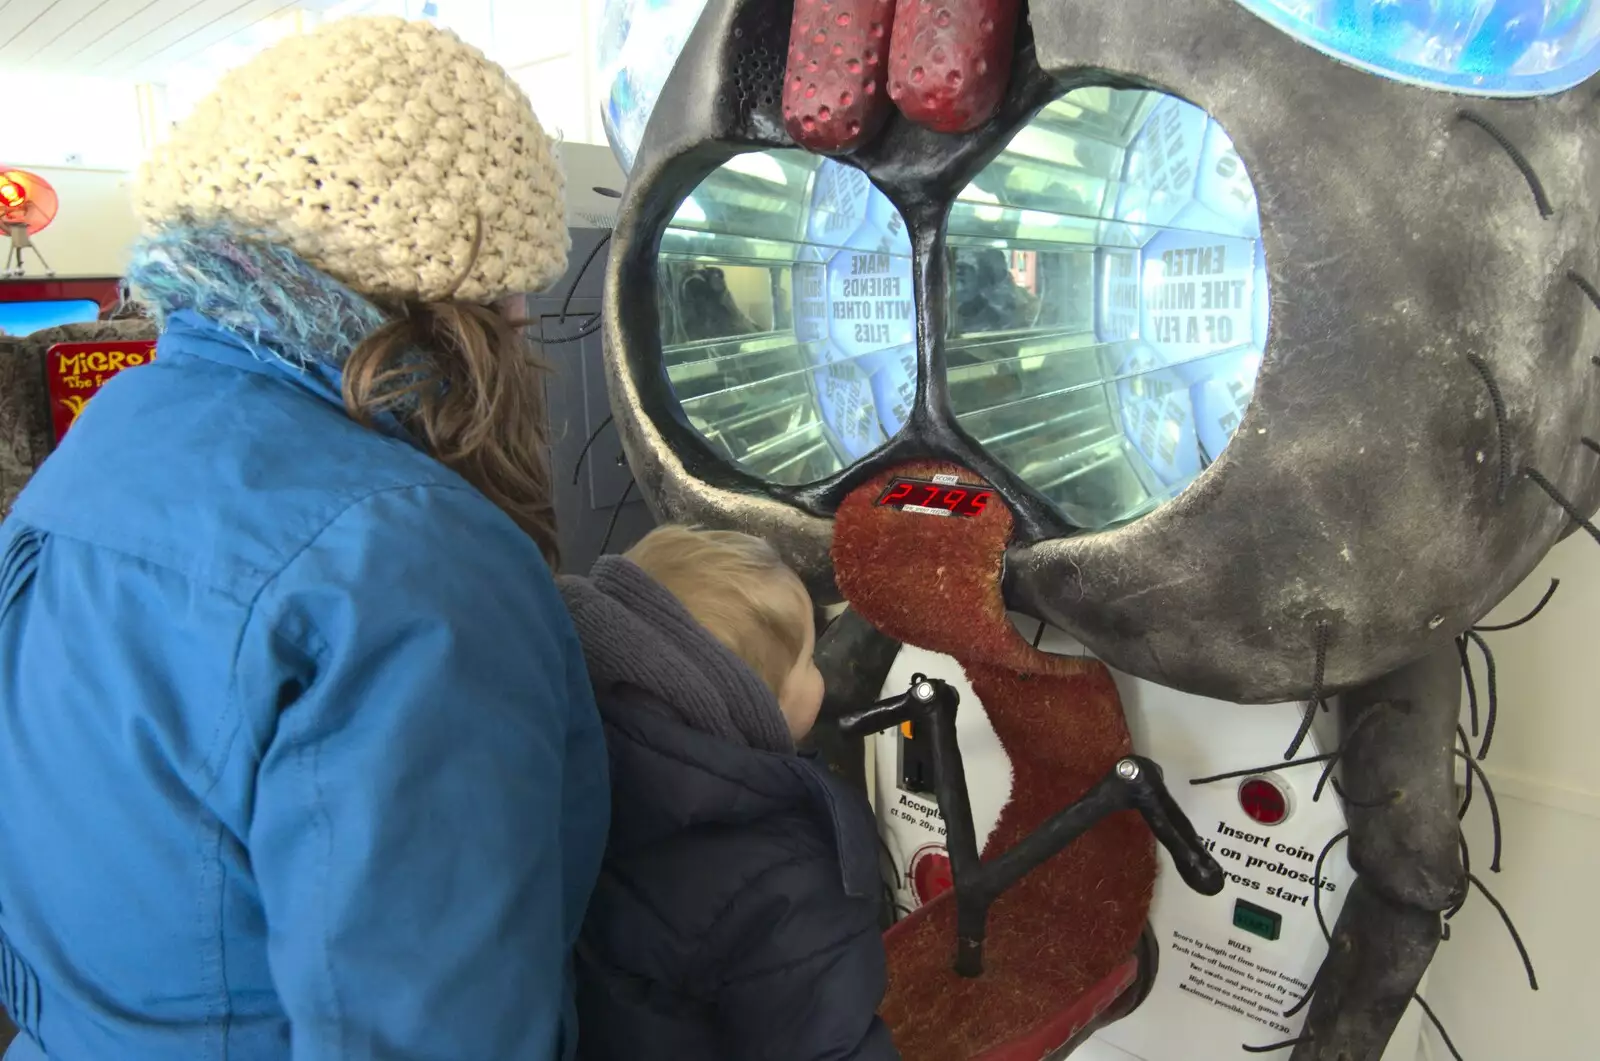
{"x":131,"y":39}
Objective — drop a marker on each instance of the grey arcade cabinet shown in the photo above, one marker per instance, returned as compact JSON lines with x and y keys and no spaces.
{"x":1244,"y":347}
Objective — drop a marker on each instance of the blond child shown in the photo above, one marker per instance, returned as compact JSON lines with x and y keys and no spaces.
{"x":736,"y":916}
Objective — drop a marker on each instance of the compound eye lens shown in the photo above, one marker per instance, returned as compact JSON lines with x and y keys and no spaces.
{"x":787,"y":326}
{"x":1109,"y":309}
{"x":1485,"y":47}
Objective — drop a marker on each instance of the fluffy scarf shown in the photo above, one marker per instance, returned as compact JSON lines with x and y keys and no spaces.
{"x":261,"y":292}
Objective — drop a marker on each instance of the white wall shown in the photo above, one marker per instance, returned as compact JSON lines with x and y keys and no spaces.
{"x":95,"y":228}
{"x":76,"y":121}
{"x":84,"y":136}
{"x":1544,"y":769}
{"x":551,"y":50}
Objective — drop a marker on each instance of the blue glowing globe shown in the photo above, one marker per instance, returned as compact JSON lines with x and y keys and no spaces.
{"x":639,"y":42}
{"x":1477,"y":47}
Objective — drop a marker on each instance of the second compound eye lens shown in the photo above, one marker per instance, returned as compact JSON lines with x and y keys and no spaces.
{"x":1108,"y":302}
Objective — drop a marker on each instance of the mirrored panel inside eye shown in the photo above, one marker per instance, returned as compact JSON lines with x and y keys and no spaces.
{"x":1108,"y":301}
{"x":1486,"y":47}
{"x":787,"y":318}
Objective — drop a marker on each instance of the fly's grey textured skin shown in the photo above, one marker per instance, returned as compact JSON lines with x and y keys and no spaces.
{"x":1413,"y":450}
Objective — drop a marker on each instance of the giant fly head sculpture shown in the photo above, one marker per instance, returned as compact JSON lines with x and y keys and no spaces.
{"x":1387,"y":314}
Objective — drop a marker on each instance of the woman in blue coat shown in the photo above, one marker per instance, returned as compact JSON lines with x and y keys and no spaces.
{"x":298,"y":758}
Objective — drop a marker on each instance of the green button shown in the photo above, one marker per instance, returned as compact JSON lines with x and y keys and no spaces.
{"x":1257,"y":920}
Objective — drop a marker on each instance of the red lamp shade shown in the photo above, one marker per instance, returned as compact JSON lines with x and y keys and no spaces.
{"x":27,"y":197}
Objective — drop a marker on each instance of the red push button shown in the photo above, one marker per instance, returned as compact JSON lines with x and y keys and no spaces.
{"x":930,"y":874}
{"x":1263,"y":801}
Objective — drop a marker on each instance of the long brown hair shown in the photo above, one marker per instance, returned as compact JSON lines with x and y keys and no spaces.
{"x":460,"y":376}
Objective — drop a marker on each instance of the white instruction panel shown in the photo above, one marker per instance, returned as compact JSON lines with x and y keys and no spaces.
{"x":1231,"y":964}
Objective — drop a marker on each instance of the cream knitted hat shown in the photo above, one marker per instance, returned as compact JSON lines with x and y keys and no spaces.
{"x":372,"y":147}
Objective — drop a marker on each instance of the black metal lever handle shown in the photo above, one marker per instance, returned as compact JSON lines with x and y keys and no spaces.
{"x":918,"y":702}
{"x":1135,"y":783}
{"x":1173,"y":829}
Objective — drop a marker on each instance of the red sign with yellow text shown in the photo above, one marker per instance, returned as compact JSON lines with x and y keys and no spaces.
{"x":75,"y":372}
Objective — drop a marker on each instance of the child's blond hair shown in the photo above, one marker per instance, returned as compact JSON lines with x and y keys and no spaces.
{"x":737,"y":587}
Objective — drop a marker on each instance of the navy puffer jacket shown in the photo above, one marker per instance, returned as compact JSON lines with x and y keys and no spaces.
{"x":736,"y":917}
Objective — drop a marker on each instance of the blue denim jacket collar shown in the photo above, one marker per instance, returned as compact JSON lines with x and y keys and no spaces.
{"x":187,"y":332}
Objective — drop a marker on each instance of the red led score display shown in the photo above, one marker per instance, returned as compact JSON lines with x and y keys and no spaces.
{"x":937,"y":499}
